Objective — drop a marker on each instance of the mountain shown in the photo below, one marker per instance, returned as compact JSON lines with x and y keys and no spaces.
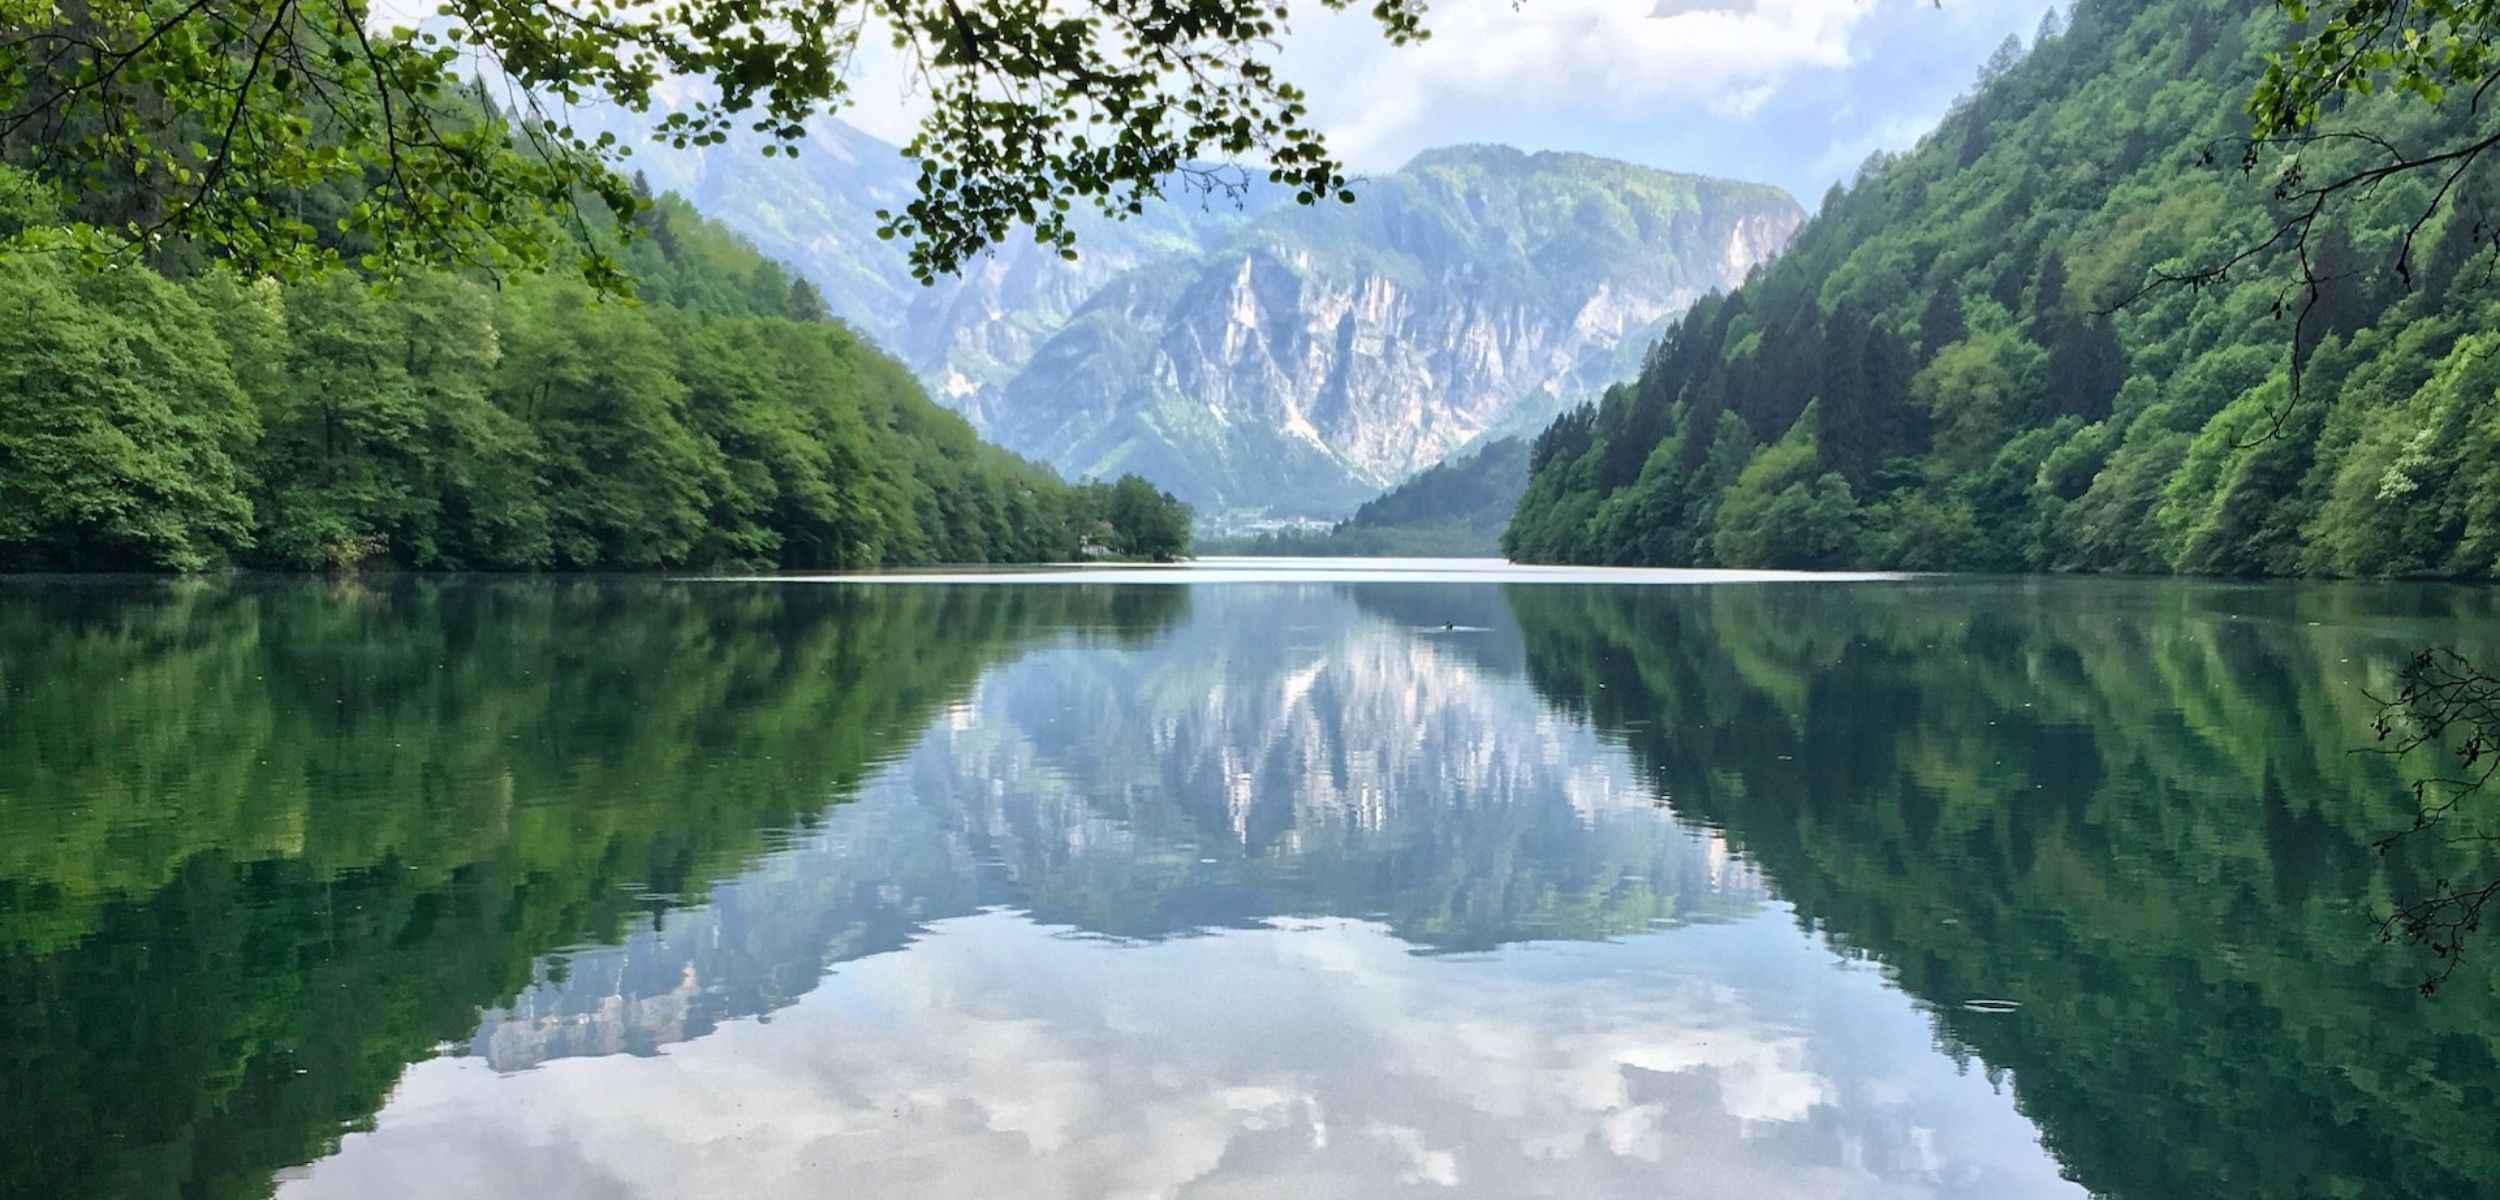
{"x":1933,"y":377}
{"x":1322,"y":354}
{"x":1257,"y":356}
{"x":966,"y":333}
{"x":1457,"y":507}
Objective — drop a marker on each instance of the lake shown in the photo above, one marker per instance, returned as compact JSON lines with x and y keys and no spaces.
{"x":1245,"y":879}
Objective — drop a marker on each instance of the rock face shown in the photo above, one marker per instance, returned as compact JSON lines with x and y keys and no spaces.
{"x":968,"y":333}
{"x":1320,"y":355}
{"x":1257,"y":357}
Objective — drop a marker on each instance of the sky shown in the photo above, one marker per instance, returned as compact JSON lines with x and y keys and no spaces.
{"x":1791,"y":92}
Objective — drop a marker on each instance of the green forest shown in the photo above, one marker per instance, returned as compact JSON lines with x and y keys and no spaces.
{"x":1951,"y":366}
{"x":1457,"y":507}
{"x":183,"y":417}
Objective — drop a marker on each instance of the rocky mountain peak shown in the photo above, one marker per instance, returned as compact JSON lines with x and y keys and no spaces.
{"x":1257,"y":356}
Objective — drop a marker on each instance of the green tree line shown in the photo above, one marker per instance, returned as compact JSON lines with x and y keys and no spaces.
{"x":1455,"y":508}
{"x":1957,"y":365}
{"x":192,"y":419}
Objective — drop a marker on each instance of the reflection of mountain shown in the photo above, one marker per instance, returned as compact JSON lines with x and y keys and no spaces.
{"x":266,"y":844}
{"x":864,"y":884}
{"x":2130,"y":808}
{"x":1327,"y":763}
{"x":1283,"y":753}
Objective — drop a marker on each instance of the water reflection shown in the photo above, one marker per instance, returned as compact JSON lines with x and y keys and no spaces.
{"x":262,"y":846}
{"x":1181,"y":918}
{"x":1284,"y":753}
{"x":2132,"y":809}
{"x":1000,"y":1057}
{"x":1280,"y":888}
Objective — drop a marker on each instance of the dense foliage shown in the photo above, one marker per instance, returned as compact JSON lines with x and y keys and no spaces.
{"x":212,"y":117}
{"x":184,"y":423}
{"x":1951,"y":367}
{"x":1456,"y":508}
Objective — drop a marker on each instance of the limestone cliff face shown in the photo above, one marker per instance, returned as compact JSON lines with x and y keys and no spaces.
{"x":1320,"y":355}
{"x":968,"y":332}
{"x":1254,"y":356}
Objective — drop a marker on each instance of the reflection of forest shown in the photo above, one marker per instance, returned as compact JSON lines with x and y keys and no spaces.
{"x":2132,"y":808}
{"x":267,"y":844}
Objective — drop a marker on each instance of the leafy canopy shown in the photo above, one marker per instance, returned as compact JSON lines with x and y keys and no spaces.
{"x":2357,"y":48}
{"x":296,"y":135}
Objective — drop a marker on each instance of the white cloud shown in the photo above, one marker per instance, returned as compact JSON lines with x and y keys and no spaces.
{"x":1379,"y":104}
{"x":1793,"y":92}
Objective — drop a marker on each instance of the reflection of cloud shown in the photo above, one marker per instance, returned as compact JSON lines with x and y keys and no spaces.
{"x":998,"y":1058}
{"x":1677,"y":8}
{"x":1417,"y":1162}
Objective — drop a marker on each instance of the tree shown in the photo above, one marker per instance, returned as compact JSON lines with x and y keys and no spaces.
{"x":1941,"y":325}
{"x":1784,"y":511}
{"x":118,"y":446}
{"x":1146,"y":523}
{"x":2051,"y":25}
{"x":1976,"y":392}
{"x":293,"y":137}
{"x":806,"y":304}
{"x":2345,"y":52}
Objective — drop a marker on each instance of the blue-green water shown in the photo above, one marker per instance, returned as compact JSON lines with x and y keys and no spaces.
{"x":1275,"y":880}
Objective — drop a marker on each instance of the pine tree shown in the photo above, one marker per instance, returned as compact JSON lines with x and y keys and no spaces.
{"x":806,"y":304}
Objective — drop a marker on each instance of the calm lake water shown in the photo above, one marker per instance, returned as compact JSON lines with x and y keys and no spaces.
{"x":1285,"y":880}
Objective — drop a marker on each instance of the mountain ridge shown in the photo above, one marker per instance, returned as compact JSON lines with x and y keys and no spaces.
{"x":1252,"y":355}
{"x":1318,"y":358}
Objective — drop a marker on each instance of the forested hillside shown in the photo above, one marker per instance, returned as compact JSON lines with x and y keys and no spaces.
{"x":1458,"y":507}
{"x":1950,"y":369}
{"x":185,"y":418}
